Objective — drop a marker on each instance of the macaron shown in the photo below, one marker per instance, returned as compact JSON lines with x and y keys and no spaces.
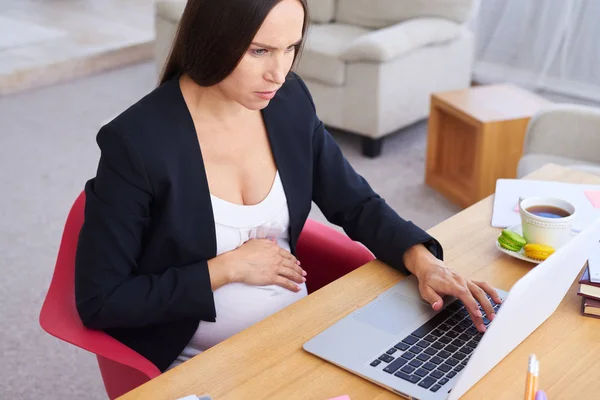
{"x":538,"y":251}
{"x":511,"y":241}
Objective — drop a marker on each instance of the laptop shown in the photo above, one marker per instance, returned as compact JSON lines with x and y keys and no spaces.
{"x":398,"y":342}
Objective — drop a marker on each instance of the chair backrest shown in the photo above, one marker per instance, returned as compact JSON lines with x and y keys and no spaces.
{"x":327,"y":254}
{"x":565,"y":130}
{"x":122,"y":368}
{"x":383,"y":13}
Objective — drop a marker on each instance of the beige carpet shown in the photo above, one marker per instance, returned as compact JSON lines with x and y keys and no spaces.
{"x":48,"y":151}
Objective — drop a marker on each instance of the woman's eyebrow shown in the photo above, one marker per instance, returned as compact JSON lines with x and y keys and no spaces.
{"x":274,"y":48}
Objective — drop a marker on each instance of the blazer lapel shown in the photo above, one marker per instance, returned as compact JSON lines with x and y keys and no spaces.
{"x":196,"y":203}
{"x":293,"y":163}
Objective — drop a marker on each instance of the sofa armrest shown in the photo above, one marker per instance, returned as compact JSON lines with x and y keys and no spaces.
{"x":386,"y":44}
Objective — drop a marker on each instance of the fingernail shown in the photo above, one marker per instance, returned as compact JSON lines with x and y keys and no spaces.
{"x":298,"y":262}
{"x":478,"y":314}
{"x":303,"y":279}
{"x":434,"y":305}
{"x":303,"y":272}
{"x":297,"y":288}
{"x":482,"y":328}
{"x":492,"y":316}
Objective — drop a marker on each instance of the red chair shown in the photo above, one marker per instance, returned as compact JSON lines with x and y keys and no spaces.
{"x":324,"y":253}
{"x":327,"y":254}
{"x":122,"y":368}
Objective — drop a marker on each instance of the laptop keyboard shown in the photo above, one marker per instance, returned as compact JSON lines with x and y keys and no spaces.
{"x":437,"y":351}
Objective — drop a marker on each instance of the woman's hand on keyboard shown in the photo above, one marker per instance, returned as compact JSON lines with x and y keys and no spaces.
{"x":436,"y":280}
{"x":261,"y":262}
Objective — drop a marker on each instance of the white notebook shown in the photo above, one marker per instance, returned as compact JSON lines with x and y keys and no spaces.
{"x":585,"y":198}
{"x":594,"y":265}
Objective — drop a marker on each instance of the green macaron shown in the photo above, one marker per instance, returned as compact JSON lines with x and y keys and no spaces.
{"x":511,"y":241}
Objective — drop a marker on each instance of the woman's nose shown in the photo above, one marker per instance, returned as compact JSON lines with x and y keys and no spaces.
{"x":277,"y":71}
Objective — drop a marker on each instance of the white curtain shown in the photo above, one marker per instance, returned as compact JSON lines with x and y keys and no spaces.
{"x":550,"y":45}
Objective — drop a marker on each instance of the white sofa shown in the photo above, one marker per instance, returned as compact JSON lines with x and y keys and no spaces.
{"x":371,"y":65}
{"x":564,"y":134}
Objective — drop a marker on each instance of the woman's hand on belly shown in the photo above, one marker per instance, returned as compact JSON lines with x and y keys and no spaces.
{"x":261,"y":262}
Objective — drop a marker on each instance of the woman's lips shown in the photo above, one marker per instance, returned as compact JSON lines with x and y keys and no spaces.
{"x":266,"y":95}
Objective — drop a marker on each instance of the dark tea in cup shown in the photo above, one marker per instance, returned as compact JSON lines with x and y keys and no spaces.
{"x":548,"y":211}
{"x":546,"y":220}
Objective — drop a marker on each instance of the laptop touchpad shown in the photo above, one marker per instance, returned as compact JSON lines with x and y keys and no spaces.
{"x":393,"y":312}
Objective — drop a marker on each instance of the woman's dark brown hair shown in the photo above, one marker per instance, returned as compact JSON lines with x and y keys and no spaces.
{"x":213,"y":36}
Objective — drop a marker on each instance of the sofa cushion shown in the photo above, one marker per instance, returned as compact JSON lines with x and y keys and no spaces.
{"x":325,"y":43}
{"x":383,"y":13}
{"x":170,"y":10}
{"x":321,"y":11}
{"x":383,"y":45}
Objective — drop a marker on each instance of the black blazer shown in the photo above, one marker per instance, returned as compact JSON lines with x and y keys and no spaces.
{"x":141,"y":265}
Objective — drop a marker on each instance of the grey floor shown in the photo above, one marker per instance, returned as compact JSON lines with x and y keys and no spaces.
{"x":48,"y":151}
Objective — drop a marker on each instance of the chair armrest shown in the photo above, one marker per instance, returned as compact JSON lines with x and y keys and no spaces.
{"x":327,"y":254}
{"x":386,"y":44}
{"x":565,"y":130}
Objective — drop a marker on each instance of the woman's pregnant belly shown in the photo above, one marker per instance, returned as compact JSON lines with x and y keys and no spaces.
{"x":239,"y":306}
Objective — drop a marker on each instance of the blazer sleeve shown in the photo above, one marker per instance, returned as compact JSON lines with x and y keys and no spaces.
{"x":347,"y":200}
{"x":109,"y":292}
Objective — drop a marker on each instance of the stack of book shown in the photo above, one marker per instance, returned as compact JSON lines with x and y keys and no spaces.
{"x":589,"y":290}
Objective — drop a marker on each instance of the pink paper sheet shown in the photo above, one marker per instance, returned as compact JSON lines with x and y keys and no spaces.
{"x":594,"y":197}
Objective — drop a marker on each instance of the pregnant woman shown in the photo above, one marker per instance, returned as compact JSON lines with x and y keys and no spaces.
{"x":203,"y":187}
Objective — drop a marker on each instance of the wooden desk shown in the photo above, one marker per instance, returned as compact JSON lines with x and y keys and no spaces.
{"x":266,"y":361}
{"x":476,"y":137}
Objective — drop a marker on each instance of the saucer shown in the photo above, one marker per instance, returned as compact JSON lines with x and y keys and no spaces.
{"x":521,"y":253}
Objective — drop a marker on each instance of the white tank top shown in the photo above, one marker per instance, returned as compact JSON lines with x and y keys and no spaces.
{"x":239,"y":305}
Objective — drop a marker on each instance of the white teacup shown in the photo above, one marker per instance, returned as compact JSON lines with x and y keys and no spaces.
{"x":546,"y":220}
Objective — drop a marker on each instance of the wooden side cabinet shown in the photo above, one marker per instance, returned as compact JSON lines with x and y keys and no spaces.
{"x":475,"y":136}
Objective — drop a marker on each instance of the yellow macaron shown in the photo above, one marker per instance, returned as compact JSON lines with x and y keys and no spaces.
{"x":538,"y":251}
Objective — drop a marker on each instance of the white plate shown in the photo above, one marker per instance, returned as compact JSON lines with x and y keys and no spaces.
{"x":520,"y":254}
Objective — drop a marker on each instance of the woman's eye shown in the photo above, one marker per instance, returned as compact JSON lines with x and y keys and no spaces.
{"x":259,"y":52}
{"x":291,"y":48}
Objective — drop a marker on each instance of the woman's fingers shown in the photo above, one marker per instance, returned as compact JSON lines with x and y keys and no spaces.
{"x":438,"y":280}
{"x":489,"y":290}
{"x":481,"y":297}
{"x":294,"y":269}
{"x":464,"y":294}
{"x":291,"y":271}
{"x":286,"y":254}
{"x":289,"y":256}
{"x":286,"y":283}
{"x":430,"y":296}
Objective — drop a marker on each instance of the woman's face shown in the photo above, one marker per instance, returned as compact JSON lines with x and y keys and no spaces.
{"x":264,"y":66}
